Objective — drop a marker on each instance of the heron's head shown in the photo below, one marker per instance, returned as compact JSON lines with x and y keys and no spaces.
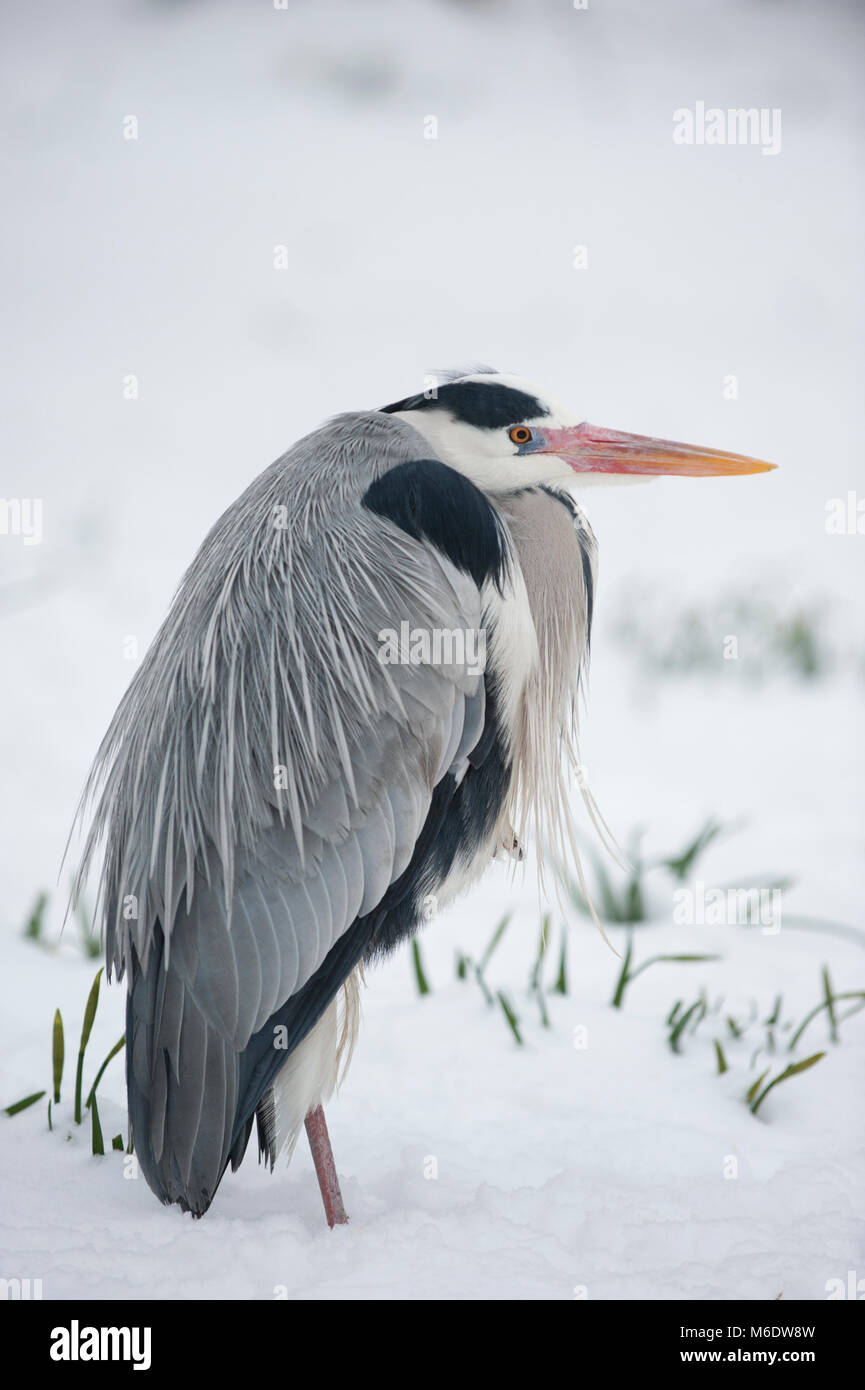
{"x":504,"y":434}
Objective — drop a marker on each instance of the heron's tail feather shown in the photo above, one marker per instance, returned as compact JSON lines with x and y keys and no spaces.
{"x":182,"y":1084}
{"x":193,"y":1096}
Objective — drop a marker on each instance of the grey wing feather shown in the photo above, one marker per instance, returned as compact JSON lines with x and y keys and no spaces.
{"x":266,"y":778}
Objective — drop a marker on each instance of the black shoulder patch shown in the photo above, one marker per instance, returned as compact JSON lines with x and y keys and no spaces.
{"x":430,"y":501}
{"x":488,"y":405}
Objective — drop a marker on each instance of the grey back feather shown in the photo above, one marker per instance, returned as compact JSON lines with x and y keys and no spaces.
{"x":265,"y":777}
{"x":268,"y":660}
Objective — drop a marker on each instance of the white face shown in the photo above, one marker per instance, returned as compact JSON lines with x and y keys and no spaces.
{"x":490,"y":457}
{"x":473,"y":431}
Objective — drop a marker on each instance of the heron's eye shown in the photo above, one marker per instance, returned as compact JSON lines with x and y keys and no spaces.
{"x":520,"y":434}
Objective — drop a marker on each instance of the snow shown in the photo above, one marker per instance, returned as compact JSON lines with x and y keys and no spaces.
{"x":603,"y":1167}
{"x":559,"y":1168}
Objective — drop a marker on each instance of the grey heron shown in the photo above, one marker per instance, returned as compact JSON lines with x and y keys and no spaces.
{"x":297,"y":765}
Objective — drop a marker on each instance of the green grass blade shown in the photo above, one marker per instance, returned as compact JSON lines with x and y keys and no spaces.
{"x":752,"y":1090}
{"x":117,"y":1143}
{"x":624,"y":975}
{"x":89,"y":943}
{"x":113,"y":1053}
{"x":513,"y":1021}
{"x":543,"y":940}
{"x":830,"y":1004}
{"x":35,"y":922}
{"x":793,"y":1070}
{"x":536,"y":981}
{"x":96,"y":1129}
{"x":836,"y":998}
{"x":766,"y":883}
{"x":682,"y":1022}
{"x":484,"y":988}
{"x":657,"y":960}
{"x":493,"y":943}
{"x":561,"y":985}
{"x":680,"y":865}
{"x":23,"y":1104}
{"x":611,"y":909}
{"x":420,"y":978}
{"x":90,"y":1010}
{"x":87,"y":1025}
{"x":721,"y":1059}
{"x":58,"y":1053}
{"x":634,"y":905}
{"x":542,"y":1005}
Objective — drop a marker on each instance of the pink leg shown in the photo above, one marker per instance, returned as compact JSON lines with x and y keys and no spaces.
{"x":325,"y":1168}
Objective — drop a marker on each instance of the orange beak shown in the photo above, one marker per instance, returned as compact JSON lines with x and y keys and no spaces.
{"x":592,"y":449}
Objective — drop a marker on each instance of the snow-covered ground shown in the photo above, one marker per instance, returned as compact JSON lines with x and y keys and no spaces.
{"x":596,"y":1159}
{"x":605,"y":1167}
